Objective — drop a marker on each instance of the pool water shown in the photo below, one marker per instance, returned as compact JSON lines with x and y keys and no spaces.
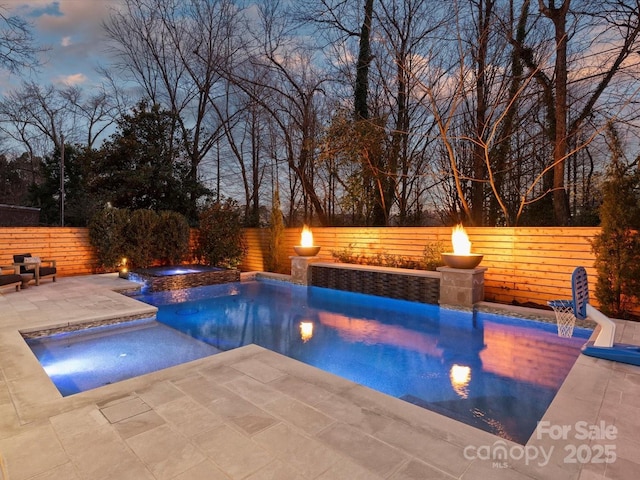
{"x":493,"y":372}
{"x":176,"y":270}
{"x":87,"y":359}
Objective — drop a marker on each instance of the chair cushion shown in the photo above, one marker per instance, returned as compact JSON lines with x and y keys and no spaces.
{"x":44,"y":271}
{"x":10,"y":278}
{"x":20,"y":259}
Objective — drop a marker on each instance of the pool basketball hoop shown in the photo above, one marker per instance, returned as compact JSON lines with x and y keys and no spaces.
{"x":565,"y":319}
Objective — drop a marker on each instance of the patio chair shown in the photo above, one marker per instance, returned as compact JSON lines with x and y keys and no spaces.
{"x":10,"y":277}
{"x":29,"y":264}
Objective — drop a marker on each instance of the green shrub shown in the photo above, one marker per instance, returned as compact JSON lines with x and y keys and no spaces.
{"x":220,"y":236}
{"x":142,"y":236}
{"x":171,"y":238}
{"x":106,"y":234}
{"x":432,"y":256}
{"x":139,"y":238}
{"x":347,"y":255}
{"x":430,"y":260}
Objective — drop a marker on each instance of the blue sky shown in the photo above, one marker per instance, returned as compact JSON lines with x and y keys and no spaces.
{"x":72,"y":31}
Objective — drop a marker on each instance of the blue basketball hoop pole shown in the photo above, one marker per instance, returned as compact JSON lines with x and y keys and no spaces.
{"x":603,"y":345}
{"x":583,"y":309}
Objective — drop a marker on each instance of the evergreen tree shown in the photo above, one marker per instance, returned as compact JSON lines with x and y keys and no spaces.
{"x":277,"y":260}
{"x":617,"y":247}
{"x":144,"y":165}
{"x":78,"y":205}
{"x":13,"y":186}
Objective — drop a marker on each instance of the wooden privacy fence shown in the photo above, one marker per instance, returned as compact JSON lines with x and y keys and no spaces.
{"x":69,"y":246}
{"x":523,"y":264}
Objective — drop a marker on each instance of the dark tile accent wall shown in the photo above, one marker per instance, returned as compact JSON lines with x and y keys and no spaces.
{"x":394,"y":285}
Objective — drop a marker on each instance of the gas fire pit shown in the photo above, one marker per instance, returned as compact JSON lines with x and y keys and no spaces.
{"x":461,"y":257}
{"x":306,"y":247}
{"x":462,"y":261}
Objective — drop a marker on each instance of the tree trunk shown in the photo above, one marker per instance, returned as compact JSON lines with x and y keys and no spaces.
{"x":485,"y":8}
{"x":361,"y":88}
{"x":559,"y":16}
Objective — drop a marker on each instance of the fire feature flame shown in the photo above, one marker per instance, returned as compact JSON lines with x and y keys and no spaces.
{"x":460,"y":241}
{"x":306,"y":239}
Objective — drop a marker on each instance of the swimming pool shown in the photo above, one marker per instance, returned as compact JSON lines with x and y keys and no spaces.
{"x":493,"y":372}
{"x":86,"y":359}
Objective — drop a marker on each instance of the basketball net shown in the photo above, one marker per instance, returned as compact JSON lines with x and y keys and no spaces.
{"x":565,"y":318}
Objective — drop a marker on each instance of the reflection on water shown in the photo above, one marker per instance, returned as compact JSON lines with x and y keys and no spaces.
{"x":306,"y":331}
{"x":495,"y":373}
{"x":460,"y":376}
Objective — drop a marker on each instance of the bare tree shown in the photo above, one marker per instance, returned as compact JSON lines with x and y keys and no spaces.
{"x":623,"y":20}
{"x":48,"y":113}
{"x":246,"y":128}
{"x":176,"y":51}
{"x":408,"y":29}
{"x":36,"y":112}
{"x":18,"y":49}
{"x":388,"y":42}
{"x":484,"y":23}
{"x":282,"y":69}
{"x":92,"y":115}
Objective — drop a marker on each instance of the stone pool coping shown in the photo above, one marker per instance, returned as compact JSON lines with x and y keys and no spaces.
{"x":277,"y":414}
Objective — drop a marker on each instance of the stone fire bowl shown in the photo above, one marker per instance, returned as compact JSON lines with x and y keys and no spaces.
{"x":465,"y":262}
{"x":306,"y":251}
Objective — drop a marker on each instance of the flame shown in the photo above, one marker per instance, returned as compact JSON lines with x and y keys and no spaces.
{"x":306,"y":331}
{"x":306,"y":238}
{"x":460,"y":241}
{"x":460,"y":376}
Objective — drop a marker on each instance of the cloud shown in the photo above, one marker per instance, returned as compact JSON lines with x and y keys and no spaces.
{"x":73,"y":79}
{"x":37,"y":9}
{"x":81,"y":19}
{"x":56,"y":22}
{"x":72,"y":33}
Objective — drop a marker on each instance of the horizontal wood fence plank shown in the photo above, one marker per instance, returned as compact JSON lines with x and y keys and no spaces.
{"x":67,"y":245}
{"x":524,"y":264}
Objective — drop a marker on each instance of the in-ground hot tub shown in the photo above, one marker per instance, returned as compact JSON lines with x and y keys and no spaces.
{"x":176,"y":277}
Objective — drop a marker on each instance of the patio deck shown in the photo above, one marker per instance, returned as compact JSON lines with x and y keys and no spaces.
{"x":254,"y":414}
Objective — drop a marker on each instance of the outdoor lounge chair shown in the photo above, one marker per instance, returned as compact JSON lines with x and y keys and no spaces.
{"x":10,"y":277}
{"x":29,"y":264}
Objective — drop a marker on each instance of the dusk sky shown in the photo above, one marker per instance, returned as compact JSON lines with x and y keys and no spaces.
{"x":72,"y":31}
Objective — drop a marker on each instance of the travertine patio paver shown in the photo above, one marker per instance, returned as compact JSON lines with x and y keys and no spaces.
{"x":252,"y":414}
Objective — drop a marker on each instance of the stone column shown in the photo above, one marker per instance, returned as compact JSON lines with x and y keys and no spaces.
{"x":300,"y":268}
{"x":460,"y":287}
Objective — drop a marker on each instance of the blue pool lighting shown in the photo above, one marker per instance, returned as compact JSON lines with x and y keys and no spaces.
{"x":87,"y":359}
{"x":493,"y":372}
